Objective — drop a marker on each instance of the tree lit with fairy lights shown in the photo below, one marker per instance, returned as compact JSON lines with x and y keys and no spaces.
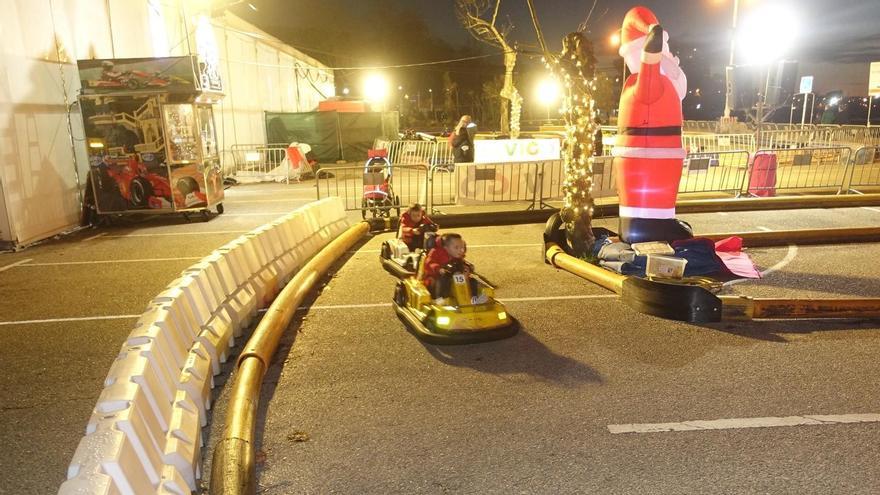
{"x":575,"y":68}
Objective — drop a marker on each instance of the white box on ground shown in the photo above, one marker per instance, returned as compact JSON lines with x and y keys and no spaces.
{"x":665,"y":266}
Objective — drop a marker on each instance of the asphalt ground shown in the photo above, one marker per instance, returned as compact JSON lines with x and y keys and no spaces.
{"x":86,"y":290}
{"x":69,"y":303}
{"x":355,"y":404}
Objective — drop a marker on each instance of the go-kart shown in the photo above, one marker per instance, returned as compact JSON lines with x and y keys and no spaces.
{"x":397,"y":258}
{"x":458,"y":320}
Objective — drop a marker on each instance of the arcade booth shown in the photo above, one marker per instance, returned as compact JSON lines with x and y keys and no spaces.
{"x":149,"y":130}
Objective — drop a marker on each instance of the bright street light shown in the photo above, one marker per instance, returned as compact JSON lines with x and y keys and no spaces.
{"x":548,"y":91}
{"x":375,"y":88}
{"x":614,"y":39}
{"x":768,"y":34}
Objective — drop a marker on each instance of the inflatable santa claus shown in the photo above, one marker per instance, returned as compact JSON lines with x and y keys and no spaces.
{"x":648,"y":149}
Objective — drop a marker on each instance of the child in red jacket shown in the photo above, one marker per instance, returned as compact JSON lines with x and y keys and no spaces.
{"x":412,"y":226}
{"x":438,"y":279}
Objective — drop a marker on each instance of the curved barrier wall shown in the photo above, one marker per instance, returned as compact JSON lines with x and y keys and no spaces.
{"x":145,"y":433}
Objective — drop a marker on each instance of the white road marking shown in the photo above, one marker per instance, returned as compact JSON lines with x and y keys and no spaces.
{"x":765,"y":229}
{"x":13,"y":265}
{"x":722,"y":213}
{"x":61,"y":320}
{"x":313,"y":197}
{"x":207,"y":232}
{"x":266,"y":214}
{"x":789,"y":257}
{"x":96,"y":262}
{"x":740,"y":423}
{"x":329,"y":306}
{"x":92,"y":238}
{"x":532,"y":244}
{"x":346,"y":306}
{"x":558,"y":298}
{"x":871,"y":209}
{"x":506,"y":300}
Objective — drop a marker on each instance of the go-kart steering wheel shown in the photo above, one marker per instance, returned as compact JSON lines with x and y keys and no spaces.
{"x":458,"y":266}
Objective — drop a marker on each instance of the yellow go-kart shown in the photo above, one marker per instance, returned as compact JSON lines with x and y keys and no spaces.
{"x":460,"y":320}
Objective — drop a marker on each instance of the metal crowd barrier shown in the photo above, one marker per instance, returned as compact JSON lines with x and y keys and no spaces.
{"x":812,"y":169}
{"x":719,"y":171}
{"x":864,"y":170}
{"x":260,"y":162}
{"x":480,"y":183}
{"x":701,"y":143}
{"x":428,"y":153}
{"x":803,"y":169}
{"x":356,"y":186}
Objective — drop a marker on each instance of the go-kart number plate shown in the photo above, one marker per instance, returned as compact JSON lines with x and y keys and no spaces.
{"x":458,"y":278}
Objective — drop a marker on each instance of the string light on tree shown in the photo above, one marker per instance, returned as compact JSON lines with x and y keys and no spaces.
{"x":576,"y":66}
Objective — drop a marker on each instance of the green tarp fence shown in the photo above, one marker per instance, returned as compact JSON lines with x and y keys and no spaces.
{"x":332,"y":135}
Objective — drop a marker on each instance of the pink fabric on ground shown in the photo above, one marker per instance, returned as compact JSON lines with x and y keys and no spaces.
{"x":738,"y":262}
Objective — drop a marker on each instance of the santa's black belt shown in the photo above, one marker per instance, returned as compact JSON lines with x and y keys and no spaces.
{"x":651,"y":131}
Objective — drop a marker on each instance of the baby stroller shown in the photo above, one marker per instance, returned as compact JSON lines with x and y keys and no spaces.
{"x":379,"y":197}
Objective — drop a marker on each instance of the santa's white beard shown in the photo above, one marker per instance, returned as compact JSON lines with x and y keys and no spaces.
{"x":632,"y":54}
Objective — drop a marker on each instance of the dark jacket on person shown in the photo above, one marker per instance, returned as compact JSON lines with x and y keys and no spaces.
{"x":462,"y":146}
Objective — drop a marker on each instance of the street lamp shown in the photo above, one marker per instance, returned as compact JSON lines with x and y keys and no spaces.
{"x":765,"y":37}
{"x":728,"y":72}
{"x":548,"y":92}
{"x":375,"y":88}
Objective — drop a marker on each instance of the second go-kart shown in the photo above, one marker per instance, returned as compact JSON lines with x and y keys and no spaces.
{"x":399,"y":260}
{"x":459,"y":320}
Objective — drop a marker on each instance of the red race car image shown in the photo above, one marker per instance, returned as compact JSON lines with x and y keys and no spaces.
{"x":134,"y":181}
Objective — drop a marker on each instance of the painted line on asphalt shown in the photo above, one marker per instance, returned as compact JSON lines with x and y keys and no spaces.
{"x":789,"y":257}
{"x":558,"y":298}
{"x":208,"y":232}
{"x":504,"y":300}
{"x":266,"y":214}
{"x":97,"y":262}
{"x":61,"y":320}
{"x":722,"y":213}
{"x":871,"y":209}
{"x":765,"y":229}
{"x":328,"y":307}
{"x":279,"y":200}
{"x":532,"y":244}
{"x":92,"y":238}
{"x":742,"y":423}
{"x":13,"y":265}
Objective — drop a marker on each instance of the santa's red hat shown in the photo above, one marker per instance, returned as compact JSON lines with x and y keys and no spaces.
{"x":636,"y":25}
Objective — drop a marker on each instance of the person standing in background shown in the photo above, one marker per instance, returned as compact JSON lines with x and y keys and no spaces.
{"x":461,"y":140}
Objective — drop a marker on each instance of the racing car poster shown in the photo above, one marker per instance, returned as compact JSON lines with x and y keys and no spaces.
{"x":124,"y":75}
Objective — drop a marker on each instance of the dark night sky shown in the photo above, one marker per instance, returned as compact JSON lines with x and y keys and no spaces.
{"x":832,"y":32}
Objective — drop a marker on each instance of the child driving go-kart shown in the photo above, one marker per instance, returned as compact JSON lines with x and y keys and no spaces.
{"x":443,"y":263}
{"x":414,"y":224}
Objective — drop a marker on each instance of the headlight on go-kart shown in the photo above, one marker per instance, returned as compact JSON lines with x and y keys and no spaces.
{"x":443,"y":321}
{"x":502,"y":315}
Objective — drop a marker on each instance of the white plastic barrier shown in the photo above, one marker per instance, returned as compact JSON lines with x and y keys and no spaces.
{"x":145,"y":435}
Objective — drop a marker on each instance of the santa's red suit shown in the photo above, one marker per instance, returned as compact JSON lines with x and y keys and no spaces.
{"x":648,"y":149}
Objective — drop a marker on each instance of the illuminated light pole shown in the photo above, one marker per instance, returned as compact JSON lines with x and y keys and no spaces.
{"x":767,"y":35}
{"x":728,"y":97}
{"x":548,"y":93}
